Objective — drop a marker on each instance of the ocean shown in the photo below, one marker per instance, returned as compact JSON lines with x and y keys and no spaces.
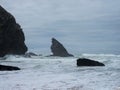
{"x":86,"y":28}
{"x":58,"y":73}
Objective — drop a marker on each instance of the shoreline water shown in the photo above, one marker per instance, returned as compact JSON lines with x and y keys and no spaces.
{"x":49,"y":73}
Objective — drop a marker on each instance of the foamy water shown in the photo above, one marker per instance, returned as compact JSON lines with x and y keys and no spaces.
{"x":56,"y":73}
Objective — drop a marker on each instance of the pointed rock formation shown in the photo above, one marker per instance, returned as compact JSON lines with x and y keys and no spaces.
{"x":58,"y":49}
{"x":11,"y":35}
{"x":8,"y":68}
{"x":88,"y":62}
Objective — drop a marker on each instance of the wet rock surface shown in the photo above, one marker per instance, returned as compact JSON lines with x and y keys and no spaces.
{"x":88,"y":62}
{"x":8,"y":68}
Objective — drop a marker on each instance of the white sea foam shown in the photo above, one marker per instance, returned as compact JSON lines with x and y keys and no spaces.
{"x":56,"y":73}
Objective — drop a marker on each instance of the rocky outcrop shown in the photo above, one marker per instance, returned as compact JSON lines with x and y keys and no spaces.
{"x":58,"y":49}
{"x":8,"y":68}
{"x":11,"y":35}
{"x":88,"y":62}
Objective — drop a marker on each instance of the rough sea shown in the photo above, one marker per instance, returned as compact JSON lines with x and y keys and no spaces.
{"x":57,"y":73}
{"x":86,"y":28}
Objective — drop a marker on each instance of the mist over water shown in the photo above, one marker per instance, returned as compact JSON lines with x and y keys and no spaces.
{"x":82,"y":26}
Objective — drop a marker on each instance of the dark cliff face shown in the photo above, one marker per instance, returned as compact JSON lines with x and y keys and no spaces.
{"x":58,"y":49}
{"x":11,"y":35}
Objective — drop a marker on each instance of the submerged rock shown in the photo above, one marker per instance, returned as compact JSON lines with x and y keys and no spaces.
{"x":88,"y":62}
{"x":29,"y":54}
{"x":58,"y":49}
{"x":11,"y":35}
{"x":8,"y":68}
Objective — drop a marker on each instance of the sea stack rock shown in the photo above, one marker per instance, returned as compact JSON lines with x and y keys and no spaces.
{"x":8,"y":68}
{"x":58,"y":49}
{"x":11,"y":35}
{"x":88,"y":62}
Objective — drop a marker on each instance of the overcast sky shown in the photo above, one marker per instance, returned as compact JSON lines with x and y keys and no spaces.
{"x":82,"y":26}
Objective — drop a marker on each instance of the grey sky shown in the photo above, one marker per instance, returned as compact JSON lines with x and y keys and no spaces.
{"x":83,"y":26}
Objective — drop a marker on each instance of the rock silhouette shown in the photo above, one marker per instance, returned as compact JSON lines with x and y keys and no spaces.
{"x":88,"y":62}
{"x":11,"y":35}
{"x":8,"y":68}
{"x":58,"y":49}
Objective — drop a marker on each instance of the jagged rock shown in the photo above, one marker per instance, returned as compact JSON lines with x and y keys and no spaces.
{"x":58,"y":49}
{"x":8,"y":68}
{"x":11,"y":35}
{"x":88,"y":62}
